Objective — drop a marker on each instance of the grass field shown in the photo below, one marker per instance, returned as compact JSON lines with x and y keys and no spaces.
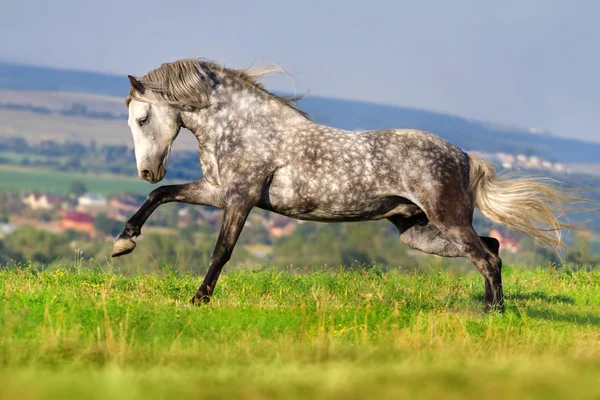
{"x":78,"y":333}
{"x":23,"y":179}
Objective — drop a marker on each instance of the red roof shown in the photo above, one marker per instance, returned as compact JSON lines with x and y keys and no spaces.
{"x":79,"y":217}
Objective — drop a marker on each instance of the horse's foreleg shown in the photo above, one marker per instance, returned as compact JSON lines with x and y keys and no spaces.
{"x":233,"y":222}
{"x":201,"y":192}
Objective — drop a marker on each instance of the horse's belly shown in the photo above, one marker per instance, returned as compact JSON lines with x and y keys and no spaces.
{"x":332,"y":202}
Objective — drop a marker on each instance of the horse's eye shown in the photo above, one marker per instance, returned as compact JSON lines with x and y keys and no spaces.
{"x":143,"y":121}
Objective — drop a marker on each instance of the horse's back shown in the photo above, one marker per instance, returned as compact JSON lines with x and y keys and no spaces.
{"x":385,"y":160}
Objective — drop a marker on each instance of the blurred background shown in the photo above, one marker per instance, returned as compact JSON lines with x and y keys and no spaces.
{"x":512,"y":81}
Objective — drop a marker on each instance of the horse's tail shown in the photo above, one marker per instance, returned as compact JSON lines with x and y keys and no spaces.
{"x":529,"y":205}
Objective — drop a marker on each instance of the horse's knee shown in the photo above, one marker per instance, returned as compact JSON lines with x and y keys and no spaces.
{"x":157,"y":195}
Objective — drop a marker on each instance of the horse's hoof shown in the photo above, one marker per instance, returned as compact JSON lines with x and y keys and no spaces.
{"x":494,"y":309}
{"x":199,"y":300}
{"x":123,"y":246}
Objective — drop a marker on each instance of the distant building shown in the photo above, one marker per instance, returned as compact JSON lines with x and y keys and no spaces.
{"x":7,"y":229}
{"x":79,"y":222}
{"x":122,"y":206}
{"x":281,"y":226}
{"x":507,"y":241}
{"x":201,"y":216}
{"x":521,"y":161}
{"x":535,"y":162}
{"x":43,"y":201}
{"x":92,"y":202}
{"x":183,"y":217}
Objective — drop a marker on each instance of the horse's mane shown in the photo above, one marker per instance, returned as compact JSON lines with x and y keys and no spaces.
{"x":188,"y":82}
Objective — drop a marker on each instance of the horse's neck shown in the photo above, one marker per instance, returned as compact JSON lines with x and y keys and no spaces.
{"x":240,"y":111}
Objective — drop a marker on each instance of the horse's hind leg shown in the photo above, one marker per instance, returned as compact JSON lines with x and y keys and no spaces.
{"x":488,"y":263}
{"x":483,"y":252}
{"x":427,"y":238}
{"x":424,"y":237}
{"x":492,"y":244}
{"x":455,"y":225}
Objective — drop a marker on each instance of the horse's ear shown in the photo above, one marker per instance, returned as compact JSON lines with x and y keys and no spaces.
{"x":137,"y":85}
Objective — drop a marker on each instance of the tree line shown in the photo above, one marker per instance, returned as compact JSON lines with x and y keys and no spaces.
{"x":74,"y":156}
{"x":311,"y":245}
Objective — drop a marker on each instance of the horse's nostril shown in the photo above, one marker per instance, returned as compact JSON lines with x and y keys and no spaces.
{"x":145,"y":174}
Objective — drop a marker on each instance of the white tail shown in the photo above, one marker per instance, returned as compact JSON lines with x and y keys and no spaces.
{"x":529,"y":205}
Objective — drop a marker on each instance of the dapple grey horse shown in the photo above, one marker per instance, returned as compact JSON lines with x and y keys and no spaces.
{"x":258,"y":149}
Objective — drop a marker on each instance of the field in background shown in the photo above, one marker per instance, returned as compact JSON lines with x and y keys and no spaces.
{"x":25,"y":179}
{"x":74,"y":333}
{"x":34,"y":126}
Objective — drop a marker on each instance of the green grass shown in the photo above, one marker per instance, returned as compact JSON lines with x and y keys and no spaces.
{"x":78,"y":333}
{"x":22,"y":179}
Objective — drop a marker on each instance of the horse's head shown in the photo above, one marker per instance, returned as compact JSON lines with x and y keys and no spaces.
{"x":154,"y":125}
{"x":162,"y":99}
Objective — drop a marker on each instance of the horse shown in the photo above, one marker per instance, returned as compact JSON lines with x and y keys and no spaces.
{"x":259,"y":149}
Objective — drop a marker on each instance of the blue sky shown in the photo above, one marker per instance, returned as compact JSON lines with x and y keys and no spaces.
{"x":526,"y":63}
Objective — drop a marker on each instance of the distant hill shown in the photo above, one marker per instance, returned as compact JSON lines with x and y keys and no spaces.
{"x":346,"y":114}
{"x":28,"y":77}
{"x":468,"y":134}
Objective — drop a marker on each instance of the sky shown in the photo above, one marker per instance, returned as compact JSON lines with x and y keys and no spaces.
{"x":531,"y":64}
